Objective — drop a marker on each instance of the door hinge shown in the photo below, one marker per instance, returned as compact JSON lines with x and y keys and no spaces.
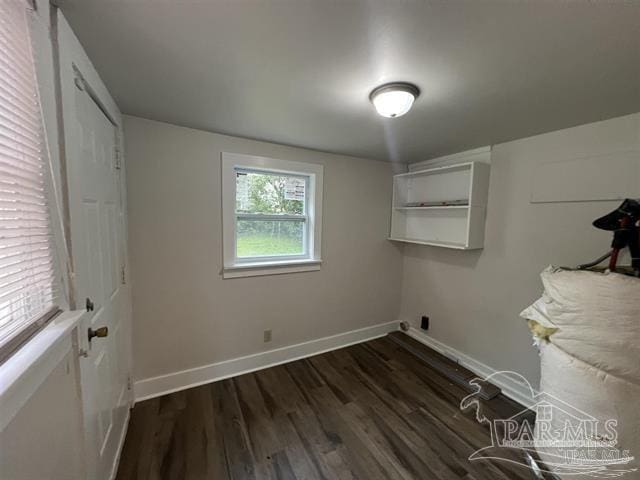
{"x":123,"y":276}
{"x":129,"y":383}
{"x":118,"y":158}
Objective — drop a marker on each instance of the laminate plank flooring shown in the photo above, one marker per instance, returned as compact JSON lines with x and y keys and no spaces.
{"x":372,"y":411}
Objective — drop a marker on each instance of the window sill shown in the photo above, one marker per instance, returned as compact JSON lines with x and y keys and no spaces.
{"x":258,"y":269}
{"x":23,"y":372}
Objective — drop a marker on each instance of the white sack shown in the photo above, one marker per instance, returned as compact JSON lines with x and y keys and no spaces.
{"x":594,"y":393}
{"x":597,"y":316}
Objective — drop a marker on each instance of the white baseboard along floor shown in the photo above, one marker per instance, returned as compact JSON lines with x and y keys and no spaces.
{"x":174,"y":382}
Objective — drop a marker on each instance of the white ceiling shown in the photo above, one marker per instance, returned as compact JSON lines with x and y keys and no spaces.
{"x":299,"y":72}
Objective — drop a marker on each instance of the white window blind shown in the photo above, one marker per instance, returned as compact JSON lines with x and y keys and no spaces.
{"x":27,"y":266}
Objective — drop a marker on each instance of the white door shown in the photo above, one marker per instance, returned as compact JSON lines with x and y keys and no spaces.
{"x":98,"y":247}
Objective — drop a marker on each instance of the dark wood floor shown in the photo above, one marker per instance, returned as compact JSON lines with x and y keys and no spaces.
{"x":370,"y":411}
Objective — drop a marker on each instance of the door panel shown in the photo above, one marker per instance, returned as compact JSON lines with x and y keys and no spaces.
{"x":97,"y":246}
{"x":90,"y":261}
{"x":111,"y":250}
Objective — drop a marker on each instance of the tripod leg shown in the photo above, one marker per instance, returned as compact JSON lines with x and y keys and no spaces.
{"x":584,"y":266}
{"x":613,"y":261}
{"x":634,"y":249}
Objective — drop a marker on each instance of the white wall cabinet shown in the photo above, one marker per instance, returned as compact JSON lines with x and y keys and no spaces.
{"x":442,"y":206}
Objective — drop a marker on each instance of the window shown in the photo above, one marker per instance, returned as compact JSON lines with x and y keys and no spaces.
{"x":271,"y":215}
{"x":27,"y":286}
{"x":545,"y":413}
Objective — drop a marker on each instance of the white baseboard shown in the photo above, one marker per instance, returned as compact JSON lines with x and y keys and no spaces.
{"x":173,"y":382}
{"x":510,"y":386}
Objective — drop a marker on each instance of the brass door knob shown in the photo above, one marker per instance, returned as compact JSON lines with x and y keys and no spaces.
{"x":98,"y":332}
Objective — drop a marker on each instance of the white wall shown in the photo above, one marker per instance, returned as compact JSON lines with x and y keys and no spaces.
{"x":474,"y":298}
{"x":43,"y":441}
{"x":185,"y":314}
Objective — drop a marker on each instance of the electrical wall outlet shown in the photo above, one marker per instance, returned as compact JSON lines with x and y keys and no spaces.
{"x":424,"y":323}
{"x":267,"y":336}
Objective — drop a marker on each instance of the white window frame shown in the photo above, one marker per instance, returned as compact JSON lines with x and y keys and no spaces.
{"x":246,"y":267}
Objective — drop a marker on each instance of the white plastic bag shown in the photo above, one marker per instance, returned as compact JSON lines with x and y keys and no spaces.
{"x":597,"y":316}
{"x":580,"y":393}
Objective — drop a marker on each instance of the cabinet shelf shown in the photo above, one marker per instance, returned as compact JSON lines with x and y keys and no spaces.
{"x":451,"y":226}
{"x":457,"y":246}
{"x":435,"y":207}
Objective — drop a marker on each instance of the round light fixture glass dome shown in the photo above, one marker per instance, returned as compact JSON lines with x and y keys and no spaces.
{"x":393,"y":100}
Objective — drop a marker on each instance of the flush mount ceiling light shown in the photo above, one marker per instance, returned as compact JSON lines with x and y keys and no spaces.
{"x":394,"y":99}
